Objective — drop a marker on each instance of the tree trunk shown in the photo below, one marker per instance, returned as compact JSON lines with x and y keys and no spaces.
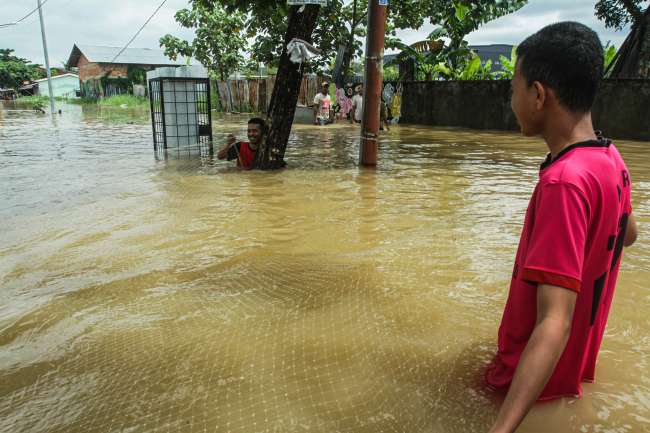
{"x":644,"y":58}
{"x":282,"y":107}
{"x":347,"y":57}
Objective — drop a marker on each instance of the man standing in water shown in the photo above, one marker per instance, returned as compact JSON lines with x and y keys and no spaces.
{"x":322,"y":103}
{"x":244,"y":152}
{"x":357,"y":106}
{"x":577,"y":222}
{"x":357,"y":110}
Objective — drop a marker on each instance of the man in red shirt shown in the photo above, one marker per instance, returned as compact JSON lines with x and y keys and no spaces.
{"x":577,"y":222}
{"x":244,"y":152}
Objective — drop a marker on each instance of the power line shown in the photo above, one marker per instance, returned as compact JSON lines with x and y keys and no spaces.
{"x":18,"y":22}
{"x":136,"y":35}
{"x":34,"y":22}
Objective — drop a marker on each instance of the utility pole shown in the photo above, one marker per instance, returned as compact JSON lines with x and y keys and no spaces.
{"x":373,"y":71}
{"x":47,"y":58}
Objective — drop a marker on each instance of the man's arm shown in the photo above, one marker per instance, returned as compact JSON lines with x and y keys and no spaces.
{"x":555,"y":307}
{"x":354,"y":108}
{"x":632,"y":231}
{"x":223,"y":152}
{"x":316,"y":114}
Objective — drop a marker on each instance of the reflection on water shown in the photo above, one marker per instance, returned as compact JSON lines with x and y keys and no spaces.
{"x":143,"y":293}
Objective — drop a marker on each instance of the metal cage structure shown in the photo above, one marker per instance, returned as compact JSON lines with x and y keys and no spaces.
{"x":181,"y":114}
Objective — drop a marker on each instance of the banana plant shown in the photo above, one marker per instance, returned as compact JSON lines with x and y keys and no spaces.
{"x":509,"y":65}
{"x":426,"y":62}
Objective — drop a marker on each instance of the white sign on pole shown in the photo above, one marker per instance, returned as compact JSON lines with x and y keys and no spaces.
{"x":307,"y":2}
{"x":383,"y":2}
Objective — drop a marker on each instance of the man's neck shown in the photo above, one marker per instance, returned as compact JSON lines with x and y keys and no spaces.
{"x":254,"y":146}
{"x":567,"y":131}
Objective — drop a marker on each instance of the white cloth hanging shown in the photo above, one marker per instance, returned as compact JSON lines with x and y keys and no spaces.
{"x":301,"y":51}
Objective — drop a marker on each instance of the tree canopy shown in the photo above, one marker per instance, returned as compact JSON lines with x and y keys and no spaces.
{"x":618,"y":13}
{"x":15,"y":70}
{"x":340,"y":22}
{"x":219,"y":41}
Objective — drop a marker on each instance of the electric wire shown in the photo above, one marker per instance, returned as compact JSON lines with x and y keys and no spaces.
{"x":20,"y":20}
{"x":136,"y":35}
{"x":34,"y":22}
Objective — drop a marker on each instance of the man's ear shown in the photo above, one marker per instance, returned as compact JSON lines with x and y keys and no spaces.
{"x":541,"y":94}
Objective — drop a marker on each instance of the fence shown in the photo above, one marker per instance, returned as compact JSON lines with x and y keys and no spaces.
{"x":255,"y":94}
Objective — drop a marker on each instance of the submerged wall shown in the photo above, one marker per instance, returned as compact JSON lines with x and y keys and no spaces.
{"x":621,"y":109}
{"x":467,"y":104}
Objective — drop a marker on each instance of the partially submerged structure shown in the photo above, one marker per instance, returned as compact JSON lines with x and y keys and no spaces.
{"x":63,"y":86}
{"x":180,"y":108}
{"x":99,"y":65}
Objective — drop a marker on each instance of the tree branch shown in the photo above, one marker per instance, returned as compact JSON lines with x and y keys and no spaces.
{"x":634,"y":10}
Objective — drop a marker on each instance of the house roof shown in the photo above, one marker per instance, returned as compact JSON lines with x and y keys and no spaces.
{"x":55,"y":77}
{"x":130,"y":56}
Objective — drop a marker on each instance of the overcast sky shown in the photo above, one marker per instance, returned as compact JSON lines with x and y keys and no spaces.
{"x":115,"y":22}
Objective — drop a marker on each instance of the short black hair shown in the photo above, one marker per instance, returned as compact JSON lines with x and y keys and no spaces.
{"x":568,"y":58}
{"x":257,"y":121}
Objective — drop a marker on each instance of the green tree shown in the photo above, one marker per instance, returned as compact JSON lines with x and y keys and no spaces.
{"x":633,"y":57}
{"x":15,"y":70}
{"x":220,"y":38}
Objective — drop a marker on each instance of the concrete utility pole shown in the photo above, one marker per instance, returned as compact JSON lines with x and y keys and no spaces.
{"x":372,"y":76}
{"x":47,"y":58}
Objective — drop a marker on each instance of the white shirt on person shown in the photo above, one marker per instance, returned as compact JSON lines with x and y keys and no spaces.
{"x":357,"y":103}
{"x":323,"y":102}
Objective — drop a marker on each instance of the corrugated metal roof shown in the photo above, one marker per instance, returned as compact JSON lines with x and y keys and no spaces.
{"x":130,"y":56}
{"x":56,"y":76}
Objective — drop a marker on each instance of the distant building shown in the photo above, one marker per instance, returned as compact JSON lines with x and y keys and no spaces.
{"x":63,"y":86}
{"x":94,"y":61}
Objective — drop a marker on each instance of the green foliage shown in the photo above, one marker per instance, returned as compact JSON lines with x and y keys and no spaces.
{"x":39,"y":105}
{"x":14,"y":70}
{"x":609,"y":51}
{"x":125,"y":99}
{"x":134,"y":75}
{"x":82,"y":101}
{"x":220,"y":38}
{"x":391,"y":73}
{"x":468,"y":69}
{"x":618,"y":13}
{"x":457,"y":18}
{"x":509,"y":65}
{"x":427,"y":63}
{"x":338,"y":21}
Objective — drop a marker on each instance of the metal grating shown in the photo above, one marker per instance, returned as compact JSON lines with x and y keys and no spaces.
{"x":181,"y":113}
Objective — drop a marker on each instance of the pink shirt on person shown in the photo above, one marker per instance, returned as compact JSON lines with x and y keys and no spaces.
{"x":573,"y":238}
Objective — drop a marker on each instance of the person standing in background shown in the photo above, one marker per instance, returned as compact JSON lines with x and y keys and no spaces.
{"x":357,"y":106}
{"x":322,"y":103}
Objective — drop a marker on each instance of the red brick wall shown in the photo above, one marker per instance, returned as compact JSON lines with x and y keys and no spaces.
{"x":87,"y":69}
{"x":119,"y":70}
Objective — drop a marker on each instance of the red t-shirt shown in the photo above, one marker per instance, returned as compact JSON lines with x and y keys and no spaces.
{"x":573,"y":238}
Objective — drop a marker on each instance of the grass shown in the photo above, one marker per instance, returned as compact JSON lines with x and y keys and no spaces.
{"x":128,"y":100}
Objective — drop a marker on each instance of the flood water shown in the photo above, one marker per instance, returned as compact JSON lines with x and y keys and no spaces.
{"x":142,"y":293}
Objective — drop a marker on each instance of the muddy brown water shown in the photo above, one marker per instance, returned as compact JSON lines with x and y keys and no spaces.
{"x":143,"y":294}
